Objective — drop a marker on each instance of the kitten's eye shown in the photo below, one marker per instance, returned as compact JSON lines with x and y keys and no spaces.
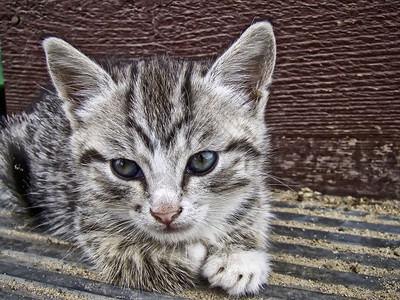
{"x":126,"y":169}
{"x":202,"y":162}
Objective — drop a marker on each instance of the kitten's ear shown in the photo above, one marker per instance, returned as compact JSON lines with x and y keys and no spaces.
{"x":75,"y":76}
{"x":248,"y":64}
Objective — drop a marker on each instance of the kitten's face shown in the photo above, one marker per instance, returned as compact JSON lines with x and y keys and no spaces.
{"x":167,"y":149}
{"x":169,"y":155}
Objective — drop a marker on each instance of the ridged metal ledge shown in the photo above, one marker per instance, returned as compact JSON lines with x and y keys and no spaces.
{"x":320,"y":252}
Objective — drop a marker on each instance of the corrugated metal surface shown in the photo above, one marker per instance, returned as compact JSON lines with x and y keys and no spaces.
{"x":335,"y":103}
{"x":321,"y":250}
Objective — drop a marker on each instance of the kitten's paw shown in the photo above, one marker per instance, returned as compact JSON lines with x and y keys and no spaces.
{"x":196,"y":254}
{"x":238,"y":273}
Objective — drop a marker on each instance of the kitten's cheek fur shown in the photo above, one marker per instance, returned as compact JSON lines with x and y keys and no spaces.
{"x":238,"y":273}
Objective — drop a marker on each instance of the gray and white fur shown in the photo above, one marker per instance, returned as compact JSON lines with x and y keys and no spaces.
{"x":67,"y":161}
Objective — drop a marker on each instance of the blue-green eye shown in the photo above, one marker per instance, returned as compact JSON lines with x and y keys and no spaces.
{"x":202,"y":162}
{"x":126,"y":169}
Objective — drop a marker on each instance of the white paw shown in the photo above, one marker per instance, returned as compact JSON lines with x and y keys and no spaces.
{"x":239,"y":272}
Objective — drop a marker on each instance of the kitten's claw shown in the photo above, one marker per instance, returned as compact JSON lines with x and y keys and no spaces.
{"x":238,"y":273}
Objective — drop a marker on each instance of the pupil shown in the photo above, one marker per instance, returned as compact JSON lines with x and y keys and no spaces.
{"x":202,"y":160}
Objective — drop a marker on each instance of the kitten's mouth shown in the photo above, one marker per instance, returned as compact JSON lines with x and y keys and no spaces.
{"x":170,"y":228}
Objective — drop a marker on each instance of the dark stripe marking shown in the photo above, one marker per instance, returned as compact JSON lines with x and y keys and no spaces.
{"x":187,"y":92}
{"x":224,"y":186}
{"x":242,"y":145}
{"x":90,"y":156}
{"x":141,"y":133}
{"x":20,"y":171}
{"x":241,"y":212}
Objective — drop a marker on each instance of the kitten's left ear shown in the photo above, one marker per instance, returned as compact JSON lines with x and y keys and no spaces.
{"x":248,"y":64}
{"x":75,"y":76}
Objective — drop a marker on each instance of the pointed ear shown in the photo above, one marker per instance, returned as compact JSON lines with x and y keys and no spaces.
{"x":248,"y":64}
{"x":75,"y":77}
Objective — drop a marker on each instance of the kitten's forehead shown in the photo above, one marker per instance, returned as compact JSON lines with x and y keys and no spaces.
{"x":172,"y":105}
{"x":159,"y":101}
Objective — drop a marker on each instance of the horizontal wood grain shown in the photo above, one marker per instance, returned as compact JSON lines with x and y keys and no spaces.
{"x":334,"y":109}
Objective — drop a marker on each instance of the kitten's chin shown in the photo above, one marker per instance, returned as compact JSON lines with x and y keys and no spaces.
{"x":173,"y":233}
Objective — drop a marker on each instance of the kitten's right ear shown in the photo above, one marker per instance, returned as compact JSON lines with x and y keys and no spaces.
{"x":75,"y":76}
{"x":248,"y":64}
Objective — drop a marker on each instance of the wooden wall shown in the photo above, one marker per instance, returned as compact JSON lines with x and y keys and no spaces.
{"x":334,"y":108}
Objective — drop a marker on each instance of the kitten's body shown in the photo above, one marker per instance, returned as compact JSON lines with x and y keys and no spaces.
{"x":161,"y":229}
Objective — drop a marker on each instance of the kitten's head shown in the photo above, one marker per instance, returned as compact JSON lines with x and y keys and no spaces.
{"x":167,"y":148}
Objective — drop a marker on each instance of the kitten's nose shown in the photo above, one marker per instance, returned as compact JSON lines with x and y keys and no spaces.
{"x":166,"y":217}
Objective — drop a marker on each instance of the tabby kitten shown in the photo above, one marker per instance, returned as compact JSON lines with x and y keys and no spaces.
{"x":155,"y":168}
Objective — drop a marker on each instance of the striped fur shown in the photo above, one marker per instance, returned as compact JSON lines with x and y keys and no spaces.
{"x":56,"y":164}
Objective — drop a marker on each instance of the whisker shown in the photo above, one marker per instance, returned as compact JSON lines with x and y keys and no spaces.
{"x":280,"y":182}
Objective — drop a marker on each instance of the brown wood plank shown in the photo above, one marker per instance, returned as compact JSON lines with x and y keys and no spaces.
{"x":335,"y":102}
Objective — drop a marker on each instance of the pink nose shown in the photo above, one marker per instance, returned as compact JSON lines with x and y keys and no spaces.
{"x":166,"y":217}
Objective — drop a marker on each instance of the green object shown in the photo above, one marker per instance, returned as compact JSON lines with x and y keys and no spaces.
{"x":3,"y":110}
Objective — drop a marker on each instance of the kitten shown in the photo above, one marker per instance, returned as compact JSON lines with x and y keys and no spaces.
{"x":155,"y":168}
